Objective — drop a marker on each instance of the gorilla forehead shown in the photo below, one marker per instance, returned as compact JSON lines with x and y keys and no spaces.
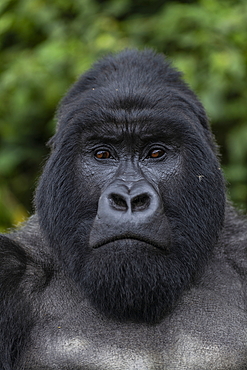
{"x":173,"y":124}
{"x":124,"y":84}
{"x":116,"y":113}
{"x":116,"y":127}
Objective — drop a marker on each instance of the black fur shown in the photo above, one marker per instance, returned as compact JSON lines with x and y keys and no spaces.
{"x":131,"y":264}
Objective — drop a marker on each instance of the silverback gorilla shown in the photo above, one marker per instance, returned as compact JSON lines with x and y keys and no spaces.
{"x":134,"y":259}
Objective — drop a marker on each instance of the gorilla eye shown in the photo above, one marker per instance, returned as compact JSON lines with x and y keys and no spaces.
{"x":102,"y":154}
{"x":156,"y":153}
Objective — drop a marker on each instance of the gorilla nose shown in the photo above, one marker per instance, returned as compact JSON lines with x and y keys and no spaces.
{"x":131,"y":210}
{"x":136,"y":201}
{"x":125,"y":202}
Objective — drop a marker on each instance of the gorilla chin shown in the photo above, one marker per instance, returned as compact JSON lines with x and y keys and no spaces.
{"x":134,"y":280}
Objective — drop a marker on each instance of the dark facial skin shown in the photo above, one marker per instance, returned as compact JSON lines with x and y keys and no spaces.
{"x":127,"y":168}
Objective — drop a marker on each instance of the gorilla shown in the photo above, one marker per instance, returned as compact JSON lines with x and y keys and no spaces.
{"x":134,"y":258}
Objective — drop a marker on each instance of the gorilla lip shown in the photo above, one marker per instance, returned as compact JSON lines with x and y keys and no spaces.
{"x":147,"y":241}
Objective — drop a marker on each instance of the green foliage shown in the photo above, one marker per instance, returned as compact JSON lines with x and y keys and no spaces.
{"x":45,"y":45}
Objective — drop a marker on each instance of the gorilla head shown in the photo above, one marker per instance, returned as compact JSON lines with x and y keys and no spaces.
{"x":132,"y":197}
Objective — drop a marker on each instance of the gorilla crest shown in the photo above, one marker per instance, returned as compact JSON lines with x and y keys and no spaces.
{"x":132,"y":235}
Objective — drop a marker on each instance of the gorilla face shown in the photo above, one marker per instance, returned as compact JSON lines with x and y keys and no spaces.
{"x":132,"y":197}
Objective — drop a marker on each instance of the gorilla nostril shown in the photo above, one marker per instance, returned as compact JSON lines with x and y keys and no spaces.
{"x":118,"y":202}
{"x":140,"y":202}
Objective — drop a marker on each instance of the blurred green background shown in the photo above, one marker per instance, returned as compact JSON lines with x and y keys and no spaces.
{"x":45,"y":45}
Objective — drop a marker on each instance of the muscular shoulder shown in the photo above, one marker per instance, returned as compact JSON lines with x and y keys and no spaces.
{"x":19,"y":270}
{"x":13,"y":261}
{"x":21,"y":278}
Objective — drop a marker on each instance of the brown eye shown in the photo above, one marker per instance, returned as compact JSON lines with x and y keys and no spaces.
{"x":156,"y":153}
{"x":103,"y":154}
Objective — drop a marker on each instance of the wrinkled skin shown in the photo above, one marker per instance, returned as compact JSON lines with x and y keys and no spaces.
{"x":134,"y":259}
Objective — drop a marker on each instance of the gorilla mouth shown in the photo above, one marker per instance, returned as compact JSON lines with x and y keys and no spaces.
{"x":156,"y":235}
{"x":125,"y":238}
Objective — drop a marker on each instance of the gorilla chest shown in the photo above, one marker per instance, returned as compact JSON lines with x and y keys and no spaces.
{"x":208,"y":341}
